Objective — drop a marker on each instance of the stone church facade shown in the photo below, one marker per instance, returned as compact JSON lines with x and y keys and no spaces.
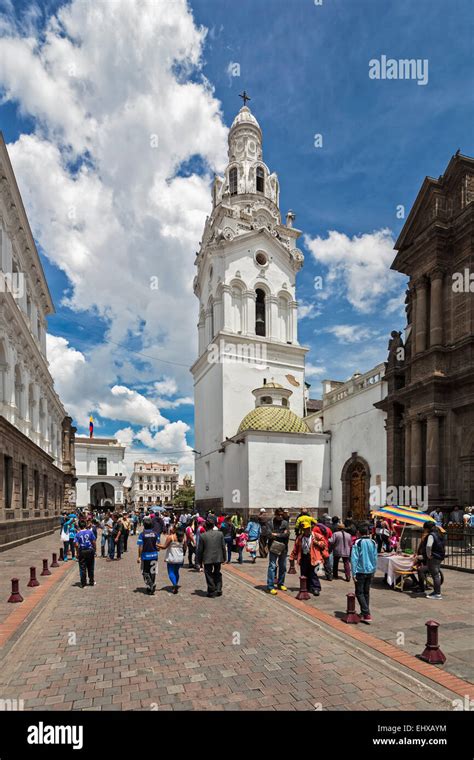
{"x":430,"y":374}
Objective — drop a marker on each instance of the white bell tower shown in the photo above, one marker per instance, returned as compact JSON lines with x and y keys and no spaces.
{"x":245,"y":283}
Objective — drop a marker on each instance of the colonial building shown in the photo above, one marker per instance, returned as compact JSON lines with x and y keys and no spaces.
{"x":100,"y":472}
{"x":37,"y":475}
{"x":252,"y":446}
{"x":356,"y":429}
{"x":430,"y":373}
{"x":153,"y":483}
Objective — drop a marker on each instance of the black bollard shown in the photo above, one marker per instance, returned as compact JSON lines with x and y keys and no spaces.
{"x":33,"y":579}
{"x":61,"y":554}
{"x":55,"y":562}
{"x":291,"y":569}
{"x":303,"y":593}
{"x":45,"y":568}
{"x":351,"y":615}
{"x":15,"y":595}
{"x":432,"y":653}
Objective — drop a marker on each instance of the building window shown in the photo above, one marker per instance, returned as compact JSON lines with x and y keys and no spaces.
{"x":291,"y":476}
{"x":233,"y":181}
{"x":260,"y":326}
{"x":7,"y":481}
{"x":102,"y":466}
{"x":45,"y":494}
{"x":24,"y":486}
{"x":267,"y":400}
{"x":36,"y":485}
{"x":284,"y":402}
{"x":260,"y":180}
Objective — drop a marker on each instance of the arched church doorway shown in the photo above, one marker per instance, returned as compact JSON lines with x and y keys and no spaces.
{"x":355,"y":488}
{"x":102,"y":495}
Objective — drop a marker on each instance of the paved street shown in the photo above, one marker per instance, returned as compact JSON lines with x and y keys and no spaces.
{"x":395,"y":613}
{"x":112,"y":647}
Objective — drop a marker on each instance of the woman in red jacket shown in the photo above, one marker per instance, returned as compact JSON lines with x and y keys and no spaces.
{"x":309,"y":550}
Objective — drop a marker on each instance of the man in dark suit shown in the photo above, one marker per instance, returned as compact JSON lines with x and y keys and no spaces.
{"x":211,"y":552}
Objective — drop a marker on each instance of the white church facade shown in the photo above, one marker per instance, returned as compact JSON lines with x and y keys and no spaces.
{"x":254,"y":447}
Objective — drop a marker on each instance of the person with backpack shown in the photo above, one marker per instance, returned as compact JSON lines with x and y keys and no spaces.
{"x":228,"y":531}
{"x":382,"y":535}
{"x":253,"y":531}
{"x":431,"y":553}
{"x":69,"y":528}
{"x":278,"y":550}
{"x":241,"y":542}
{"x":147,"y":543}
{"x":85,"y":540}
{"x":175,"y":543}
{"x":115,"y":533}
{"x":341,"y":544}
{"x":191,"y":543}
{"x":364,"y":564}
{"x":325,"y":530}
{"x":126,"y":526}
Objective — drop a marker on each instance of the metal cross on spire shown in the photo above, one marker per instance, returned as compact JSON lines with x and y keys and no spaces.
{"x":244,"y":97}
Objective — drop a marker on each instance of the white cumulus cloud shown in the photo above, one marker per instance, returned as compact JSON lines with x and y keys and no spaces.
{"x":357,"y":268}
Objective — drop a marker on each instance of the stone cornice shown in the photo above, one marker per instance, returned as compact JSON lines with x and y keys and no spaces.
{"x":17,"y":225}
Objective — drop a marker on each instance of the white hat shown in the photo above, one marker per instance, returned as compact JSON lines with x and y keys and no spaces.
{"x":262,"y":510}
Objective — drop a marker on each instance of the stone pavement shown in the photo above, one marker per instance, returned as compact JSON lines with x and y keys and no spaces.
{"x":400,"y":618}
{"x":112,"y":647}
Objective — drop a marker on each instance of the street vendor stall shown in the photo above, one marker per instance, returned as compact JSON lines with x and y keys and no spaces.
{"x":392,"y":565}
{"x":396,"y":564}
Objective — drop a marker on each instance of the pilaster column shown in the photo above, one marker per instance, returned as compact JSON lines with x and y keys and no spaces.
{"x":407,"y":452}
{"x":250,"y":297}
{"x":36,"y":397}
{"x":274,"y":330}
{"x":436,"y":308}
{"x":202,"y":332}
{"x":421,"y":315}
{"x":416,"y":453}
{"x":432,"y":456}
{"x":227,"y":308}
{"x":294,"y":321}
{"x":218,"y":316}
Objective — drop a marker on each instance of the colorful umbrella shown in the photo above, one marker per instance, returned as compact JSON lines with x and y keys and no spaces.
{"x":406,"y":515}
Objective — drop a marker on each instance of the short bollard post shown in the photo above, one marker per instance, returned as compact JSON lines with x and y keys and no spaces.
{"x":15,"y":595}
{"x":55,"y":562}
{"x":303,"y":594}
{"x":33,"y":579}
{"x":432,"y":653}
{"x":61,"y":554}
{"x":45,"y":568}
{"x":291,"y":570}
{"x":351,"y":615}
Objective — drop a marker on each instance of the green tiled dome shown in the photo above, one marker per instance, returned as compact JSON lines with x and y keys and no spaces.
{"x":275,"y":418}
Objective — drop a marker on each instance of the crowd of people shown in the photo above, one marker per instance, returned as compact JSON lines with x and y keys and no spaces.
{"x":323,"y":547}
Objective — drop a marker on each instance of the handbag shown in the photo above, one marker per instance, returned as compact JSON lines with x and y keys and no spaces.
{"x":277,"y":547}
{"x":64,"y":535}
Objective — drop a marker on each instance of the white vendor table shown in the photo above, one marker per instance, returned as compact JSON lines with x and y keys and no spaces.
{"x":392,"y":564}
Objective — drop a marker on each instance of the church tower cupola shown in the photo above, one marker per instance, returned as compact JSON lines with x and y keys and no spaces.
{"x":247,"y":178}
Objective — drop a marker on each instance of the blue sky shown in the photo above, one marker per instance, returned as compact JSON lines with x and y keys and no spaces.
{"x":306,"y":69}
